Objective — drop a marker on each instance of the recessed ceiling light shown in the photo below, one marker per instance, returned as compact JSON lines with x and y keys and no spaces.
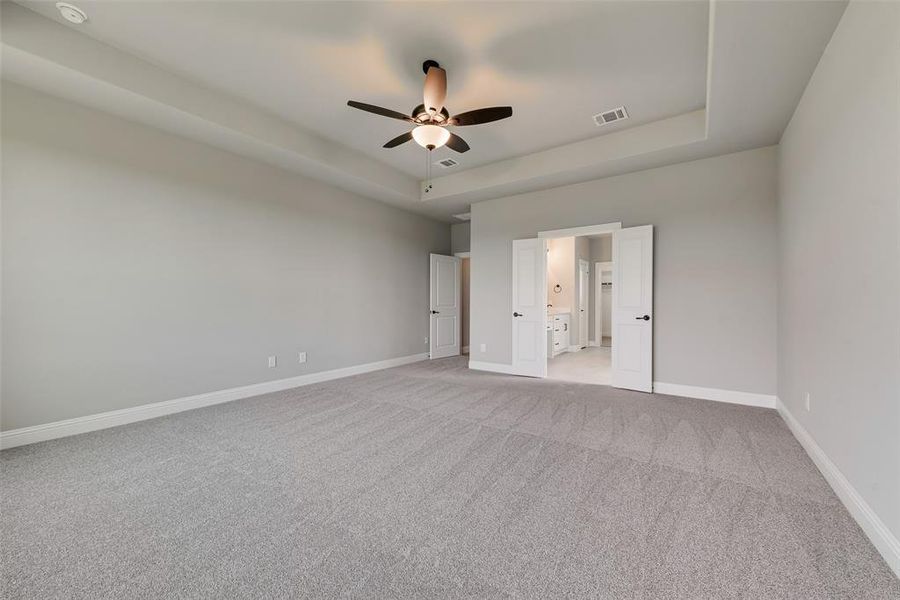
{"x":71,"y":13}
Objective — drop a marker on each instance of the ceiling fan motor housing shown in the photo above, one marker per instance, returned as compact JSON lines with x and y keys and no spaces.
{"x":421,"y":115}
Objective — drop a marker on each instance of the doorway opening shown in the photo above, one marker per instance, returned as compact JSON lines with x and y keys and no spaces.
{"x":464,"y":269}
{"x":579,"y":333}
{"x":542,"y":310}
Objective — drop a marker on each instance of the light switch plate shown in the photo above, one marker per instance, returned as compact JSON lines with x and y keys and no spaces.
{"x":273,"y":362}
{"x":301,"y":357}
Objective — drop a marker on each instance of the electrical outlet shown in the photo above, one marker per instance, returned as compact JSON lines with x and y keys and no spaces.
{"x":301,"y":358}
{"x":273,"y":362}
{"x":806,"y":401}
{"x":484,"y":347}
{"x":426,"y":340}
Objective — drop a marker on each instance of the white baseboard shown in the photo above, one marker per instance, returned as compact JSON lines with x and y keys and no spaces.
{"x":478,"y":365}
{"x":877,"y":532}
{"x":58,"y":429}
{"x":672,"y":389}
{"x":574,"y":348}
{"x":730,"y":396}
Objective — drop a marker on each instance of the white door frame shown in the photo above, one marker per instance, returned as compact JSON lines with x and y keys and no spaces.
{"x":579,"y":231}
{"x":599,"y":268}
{"x":584,"y":290}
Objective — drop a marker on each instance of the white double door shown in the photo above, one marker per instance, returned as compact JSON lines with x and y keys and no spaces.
{"x":632,"y":308}
{"x":444,"y":311}
{"x":529,"y":307}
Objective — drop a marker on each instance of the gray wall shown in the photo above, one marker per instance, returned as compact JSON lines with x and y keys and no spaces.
{"x":459,"y":237}
{"x":715,"y":272}
{"x":839,"y":247}
{"x":139,"y":267}
{"x":601,"y":249}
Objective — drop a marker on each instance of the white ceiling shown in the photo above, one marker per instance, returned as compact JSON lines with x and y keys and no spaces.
{"x":271,"y":80}
{"x":556,"y":63}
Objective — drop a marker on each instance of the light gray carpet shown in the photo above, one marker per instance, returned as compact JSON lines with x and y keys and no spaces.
{"x":432,"y":481}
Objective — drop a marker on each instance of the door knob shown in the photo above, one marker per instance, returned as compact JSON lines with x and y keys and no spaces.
{"x":644,"y":318}
{"x":435,"y":312}
{"x":515,"y":314}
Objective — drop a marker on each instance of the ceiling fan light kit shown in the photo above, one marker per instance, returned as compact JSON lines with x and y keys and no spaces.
{"x":430,"y":136}
{"x":431,"y":118}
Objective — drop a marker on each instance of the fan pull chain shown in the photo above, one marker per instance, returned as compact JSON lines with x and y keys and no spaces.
{"x":427,"y":170}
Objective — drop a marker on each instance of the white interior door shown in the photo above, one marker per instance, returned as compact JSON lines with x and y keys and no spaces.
{"x":445,"y":297}
{"x":584,"y":278}
{"x":632,"y":308}
{"x":529,"y":307}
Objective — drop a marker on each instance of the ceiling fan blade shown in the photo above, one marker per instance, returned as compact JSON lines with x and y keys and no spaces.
{"x":435,"y":89}
{"x":384,"y":112}
{"x":482,"y":115}
{"x":400,"y":139}
{"x":457,"y":143}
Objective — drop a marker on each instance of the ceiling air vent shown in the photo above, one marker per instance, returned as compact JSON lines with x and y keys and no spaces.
{"x":446,"y":163}
{"x":611,"y":116}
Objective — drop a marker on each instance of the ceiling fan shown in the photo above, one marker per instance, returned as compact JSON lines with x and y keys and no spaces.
{"x":431,"y":118}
